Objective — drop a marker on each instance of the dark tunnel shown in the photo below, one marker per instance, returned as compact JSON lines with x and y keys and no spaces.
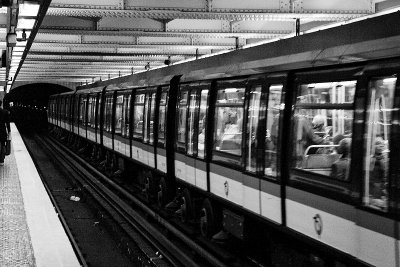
{"x":28,"y":105}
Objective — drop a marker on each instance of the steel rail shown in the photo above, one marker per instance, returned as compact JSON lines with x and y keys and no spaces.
{"x":208,"y":256}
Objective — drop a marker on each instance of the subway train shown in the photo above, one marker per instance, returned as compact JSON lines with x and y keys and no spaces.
{"x":300,"y":136}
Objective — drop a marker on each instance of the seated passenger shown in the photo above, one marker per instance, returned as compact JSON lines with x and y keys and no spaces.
{"x":341,"y":167}
{"x":379,"y":170}
{"x":318,"y":123}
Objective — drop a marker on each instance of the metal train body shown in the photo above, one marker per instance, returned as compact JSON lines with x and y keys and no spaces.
{"x":250,"y":103}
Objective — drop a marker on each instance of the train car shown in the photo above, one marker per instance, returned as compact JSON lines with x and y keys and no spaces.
{"x":298,"y":136}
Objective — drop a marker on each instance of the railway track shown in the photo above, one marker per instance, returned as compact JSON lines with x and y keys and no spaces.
{"x":158,"y":240}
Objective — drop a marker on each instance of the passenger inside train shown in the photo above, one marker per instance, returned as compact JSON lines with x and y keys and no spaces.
{"x":341,"y":167}
{"x":377,"y":142}
{"x":317,"y":126}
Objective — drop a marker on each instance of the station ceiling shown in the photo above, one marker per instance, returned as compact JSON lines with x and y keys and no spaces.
{"x":81,"y":41}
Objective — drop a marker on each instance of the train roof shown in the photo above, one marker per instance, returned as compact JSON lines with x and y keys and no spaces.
{"x":372,"y":38}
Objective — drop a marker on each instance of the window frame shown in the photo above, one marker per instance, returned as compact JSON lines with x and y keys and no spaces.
{"x":313,"y":182}
{"x":133,"y":106}
{"x":221,"y":157}
{"x":161,"y":142}
{"x":147,"y":114}
{"x":118,"y":94}
{"x":108,"y":95}
{"x":393,"y":200}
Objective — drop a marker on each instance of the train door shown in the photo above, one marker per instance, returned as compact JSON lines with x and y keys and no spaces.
{"x":161,"y":131}
{"x":75,"y":114}
{"x":107,"y":120}
{"x":68,"y":112}
{"x":263,"y":147}
{"x":148,"y":131}
{"x":190,"y":165}
{"x":99,"y":117}
{"x":82,"y":115}
{"x":138,"y":149}
{"x":91,"y":134}
{"x":326,"y":142}
{"x":377,"y":224}
{"x":121,"y":122}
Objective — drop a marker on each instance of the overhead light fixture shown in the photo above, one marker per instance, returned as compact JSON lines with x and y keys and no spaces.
{"x":19,"y":48}
{"x":21,"y":43}
{"x":24,"y":23}
{"x":28,"y":9}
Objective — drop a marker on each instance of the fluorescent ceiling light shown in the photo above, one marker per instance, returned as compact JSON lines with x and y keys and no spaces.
{"x":28,"y":9}
{"x":22,"y":43}
{"x":19,"y":48}
{"x":17,"y":53}
{"x":25,"y":23}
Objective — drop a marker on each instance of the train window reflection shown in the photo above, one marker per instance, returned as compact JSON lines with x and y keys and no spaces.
{"x":126,"y":115}
{"x":229,"y":121}
{"x":272,"y":130}
{"x":181,"y":142}
{"x":329,"y":92}
{"x":377,"y":142}
{"x":192,"y":116}
{"x":92,"y":110}
{"x":152,"y":117}
{"x":322,"y":133}
{"x":146,"y":118}
{"x":98,"y":113}
{"x":138,"y":116}
{"x":118,"y":114}
{"x":252,"y":128}
{"x":162,"y":117}
{"x":108,"y":113}
{"x":82,"y":111}
{"x":202,"y":123}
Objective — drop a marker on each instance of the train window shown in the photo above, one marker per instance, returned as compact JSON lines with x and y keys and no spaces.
{"x":126,"y":114}
{"x":138,"y":115}
{"x":162,"y":116}
{"x":76,"y":110}
{"x":252,"y":128}
{"x":322,"y":132}
{"x":82,"y":110}
{"x":62,"y":109}
{"x":202,"y":123}
{"x":118,"y":114}
{"x":146,"y":117}
{"x":192,"y":116}
{"x":182,"y":113}
{"x":229,"y":121}
{"x":98,"y":116}
{"x":377,"y":141}
{"x":91,"y":111}
{"x":274,"y":107}
{"x":67,"y":107}
{"x":152,"y":117}
{"x":107,"y":125}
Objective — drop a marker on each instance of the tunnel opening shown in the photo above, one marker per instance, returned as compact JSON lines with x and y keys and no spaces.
{"x":27,"y":105}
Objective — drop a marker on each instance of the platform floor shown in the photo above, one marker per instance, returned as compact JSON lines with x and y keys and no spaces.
{"x":31,"y":233}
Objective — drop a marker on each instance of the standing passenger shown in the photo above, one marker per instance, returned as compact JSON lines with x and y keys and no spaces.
{"x":304,"y":137}
{"x":4,"y":132}
{"x":340,"y":168}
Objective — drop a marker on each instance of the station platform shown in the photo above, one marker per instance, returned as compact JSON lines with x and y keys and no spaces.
{"x":31,"y":233}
